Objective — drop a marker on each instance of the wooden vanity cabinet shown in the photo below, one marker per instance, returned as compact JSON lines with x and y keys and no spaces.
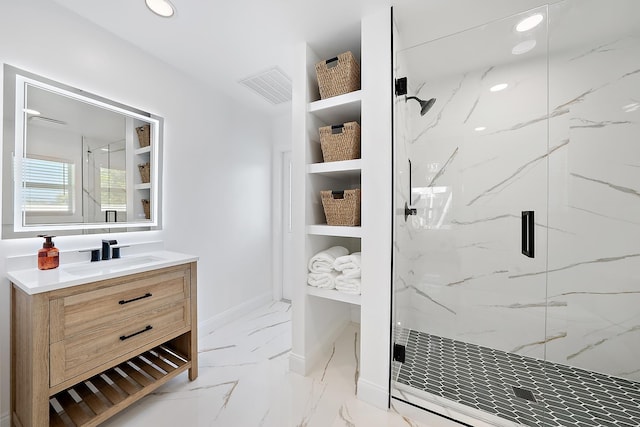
{"x":84,"y":353}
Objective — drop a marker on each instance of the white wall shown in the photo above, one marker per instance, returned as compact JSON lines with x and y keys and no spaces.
{"x":217,"y":157}
{"x":373,"y":384}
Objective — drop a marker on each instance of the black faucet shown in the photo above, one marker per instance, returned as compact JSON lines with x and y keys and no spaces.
{"x":106,"y":248}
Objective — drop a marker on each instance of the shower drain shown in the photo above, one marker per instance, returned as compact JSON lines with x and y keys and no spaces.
{"x":523,"y":393}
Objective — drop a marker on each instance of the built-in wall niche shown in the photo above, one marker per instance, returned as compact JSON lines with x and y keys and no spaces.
{"x":79,"y":163}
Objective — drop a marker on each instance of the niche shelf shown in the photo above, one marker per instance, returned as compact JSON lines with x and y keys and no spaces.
{"x":143,"y":150}
{"x":345,"y":174}
{"x":144,"y":190}
{"x":334,"y":230}
{"x":318,"y":314}
{"x":332,"y":294}
{"x":344,"y":169}
{"x":333,"y":110}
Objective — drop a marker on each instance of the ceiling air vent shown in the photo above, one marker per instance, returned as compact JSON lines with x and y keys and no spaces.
{"x":273,"y":85}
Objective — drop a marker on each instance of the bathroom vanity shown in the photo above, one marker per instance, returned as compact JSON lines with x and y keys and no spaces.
{"x":90,"y":339}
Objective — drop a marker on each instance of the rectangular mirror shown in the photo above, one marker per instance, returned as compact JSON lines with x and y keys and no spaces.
{"x":75,"y":162}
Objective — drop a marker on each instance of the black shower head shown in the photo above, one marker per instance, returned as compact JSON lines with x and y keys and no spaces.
{"x":424,"y":105}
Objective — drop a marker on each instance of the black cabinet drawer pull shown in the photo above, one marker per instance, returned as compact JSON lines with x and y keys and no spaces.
{"x":126,"y":337}
{"x":147,"y":295}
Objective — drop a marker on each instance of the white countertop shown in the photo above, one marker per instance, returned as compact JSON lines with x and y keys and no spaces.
{"x":34,"y":281}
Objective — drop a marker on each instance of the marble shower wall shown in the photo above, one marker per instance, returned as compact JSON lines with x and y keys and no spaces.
{"x":594,"y":193}
{"x":571,"y":154}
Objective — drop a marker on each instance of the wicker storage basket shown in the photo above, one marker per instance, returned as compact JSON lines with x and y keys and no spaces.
{"x":341,"y":207}
{"x":340,"y":142}
{"x":144,"y":135}
{"x":338,"y":75}
{"x":145,"y":172}
{"x":147,"y":208}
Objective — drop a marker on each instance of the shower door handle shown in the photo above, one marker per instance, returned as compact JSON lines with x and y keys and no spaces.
{"x":528,"y":240}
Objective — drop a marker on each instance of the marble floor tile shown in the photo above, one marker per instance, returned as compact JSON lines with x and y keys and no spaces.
{"x":244,"y":380}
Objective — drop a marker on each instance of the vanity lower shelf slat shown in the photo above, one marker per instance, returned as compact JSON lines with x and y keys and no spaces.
{"x":91,"y":402}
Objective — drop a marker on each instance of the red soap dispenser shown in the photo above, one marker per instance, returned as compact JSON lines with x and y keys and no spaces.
{"x":48,"y":256}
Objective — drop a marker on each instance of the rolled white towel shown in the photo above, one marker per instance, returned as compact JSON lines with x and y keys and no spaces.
{"x":342,"y":280}
{"x":347,"y":285}
{"x":349,"y":265}
{"x":322,"y":262}
{"x":323,"y":280}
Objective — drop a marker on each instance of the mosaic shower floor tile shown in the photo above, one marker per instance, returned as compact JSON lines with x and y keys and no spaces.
{"x":520,"y":389}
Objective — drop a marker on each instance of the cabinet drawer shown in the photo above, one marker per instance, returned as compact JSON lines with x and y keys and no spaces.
{"x":77,"y":314}
{"x":92,"y":348}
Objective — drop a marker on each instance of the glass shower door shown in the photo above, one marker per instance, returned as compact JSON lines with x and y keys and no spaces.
{"x":470,"y":193}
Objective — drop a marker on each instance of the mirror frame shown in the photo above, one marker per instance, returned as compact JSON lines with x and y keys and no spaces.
{"x":22,"y":79}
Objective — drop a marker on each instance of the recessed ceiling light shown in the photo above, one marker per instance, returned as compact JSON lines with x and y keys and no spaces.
{"x":161,"y":7}
{"x":480,"y":128}
{"x":530,"y":22}
{"x":523,"y":47}
{"x":30,"y":111}
{"x":499,"y":87}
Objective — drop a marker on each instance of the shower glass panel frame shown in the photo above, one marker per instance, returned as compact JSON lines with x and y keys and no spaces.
{"x":514,"y":151}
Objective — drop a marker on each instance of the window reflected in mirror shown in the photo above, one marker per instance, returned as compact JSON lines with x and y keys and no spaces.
{"x":81,"y":163}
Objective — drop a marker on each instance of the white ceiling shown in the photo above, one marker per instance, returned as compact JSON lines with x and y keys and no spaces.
{"x":221,"y":42}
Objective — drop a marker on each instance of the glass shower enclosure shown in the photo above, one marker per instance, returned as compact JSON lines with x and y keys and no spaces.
{"x":516,"y":280}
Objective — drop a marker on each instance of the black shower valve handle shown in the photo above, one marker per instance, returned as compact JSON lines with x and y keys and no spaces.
{"x":409,"y":211}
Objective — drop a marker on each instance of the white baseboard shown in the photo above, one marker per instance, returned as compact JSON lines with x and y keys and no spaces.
{"x":209,"y":325}
{"x":355,"y":314}
{"x":320,"y":350}
{"x":297,"y":363}
{"x":373,"y":394}
{"x":5,"y":420}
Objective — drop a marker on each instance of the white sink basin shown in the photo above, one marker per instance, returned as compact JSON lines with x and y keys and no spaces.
{"x":112,"y":265}
{"x":34,"y":281}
